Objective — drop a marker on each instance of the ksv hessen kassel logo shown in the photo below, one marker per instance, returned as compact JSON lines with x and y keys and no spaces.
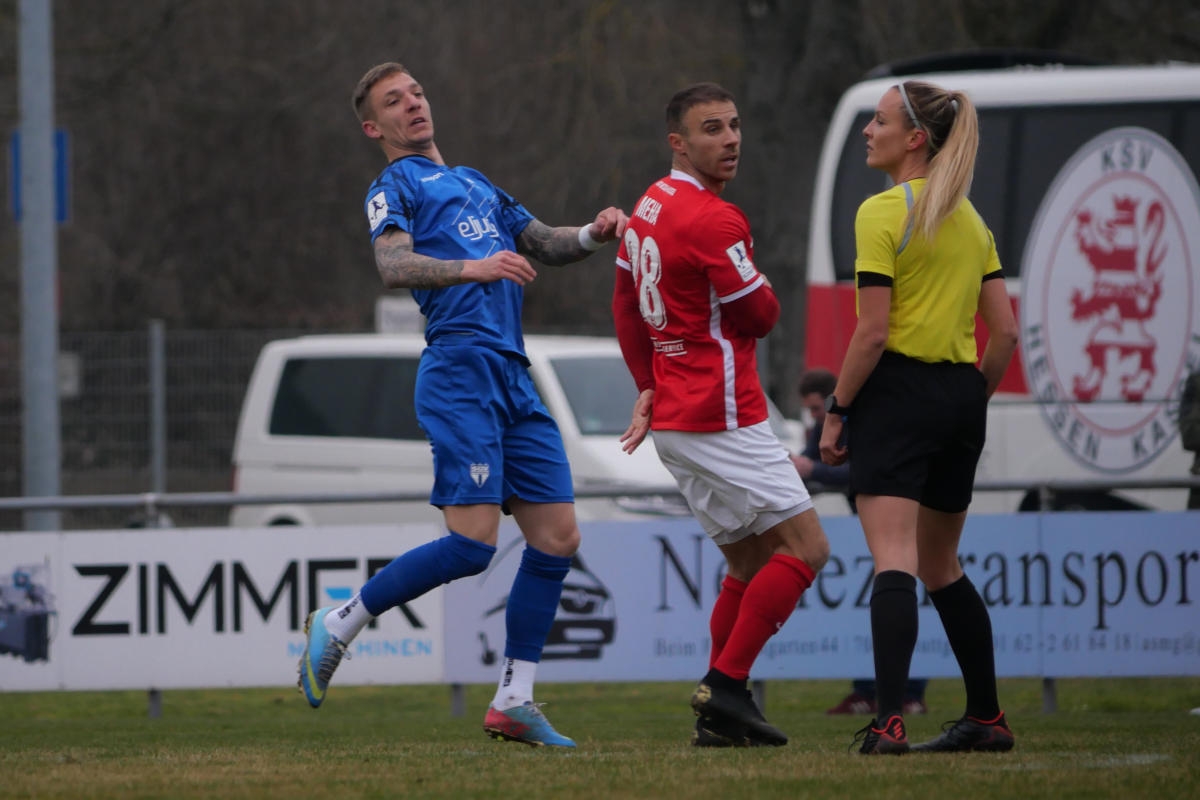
{"x":1110,"y":298}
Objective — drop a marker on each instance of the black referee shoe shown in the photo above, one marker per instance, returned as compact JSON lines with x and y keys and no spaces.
{"x":970,"y":734}
{"x":888,"y":739}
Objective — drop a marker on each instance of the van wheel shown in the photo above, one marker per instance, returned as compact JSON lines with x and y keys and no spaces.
{"x":1080,"y":501}
{"x":285,"y":521}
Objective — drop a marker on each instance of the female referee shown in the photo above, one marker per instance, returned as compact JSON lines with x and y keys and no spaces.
{"x":914,"y":405}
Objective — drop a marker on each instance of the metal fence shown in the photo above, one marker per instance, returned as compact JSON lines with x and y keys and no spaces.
{"x":151,"y":508}
{"x":107,"y":390}
{"x":106,"y":398}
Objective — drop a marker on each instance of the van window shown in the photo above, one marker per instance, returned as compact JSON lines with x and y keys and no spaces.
{"x":1041,"y":139}
{"x":599,"y":391}
{"x":365,"y":397}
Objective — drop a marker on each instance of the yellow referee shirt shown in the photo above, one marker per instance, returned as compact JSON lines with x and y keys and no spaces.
{"x":935,"y":285}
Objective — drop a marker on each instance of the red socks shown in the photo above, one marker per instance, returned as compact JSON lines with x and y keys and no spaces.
{"x":766,"y":604}
{"x":724,"y":615}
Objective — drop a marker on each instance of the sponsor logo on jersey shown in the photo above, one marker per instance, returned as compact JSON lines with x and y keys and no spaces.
{"x":740,"y":257}
{"x":377,"y":210}
{"x":474,"y":228}
{"x":671,"y":348}
{"x":1110,"y":302}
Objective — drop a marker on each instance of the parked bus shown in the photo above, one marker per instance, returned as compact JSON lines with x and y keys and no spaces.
{"x":1086,"y":175}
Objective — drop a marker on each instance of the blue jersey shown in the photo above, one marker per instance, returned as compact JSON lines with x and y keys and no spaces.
{"x":455,"y":213}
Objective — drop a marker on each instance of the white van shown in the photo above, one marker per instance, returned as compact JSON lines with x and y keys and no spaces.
{"x":1087,"y":178}
{"x":334,"y":414}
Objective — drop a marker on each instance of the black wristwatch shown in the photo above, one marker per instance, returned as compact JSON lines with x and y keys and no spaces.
{"x":832,"y":407}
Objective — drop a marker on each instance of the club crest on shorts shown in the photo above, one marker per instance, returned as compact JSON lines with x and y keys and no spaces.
{"x":1110,"y":301}
{"x":480,"y":473}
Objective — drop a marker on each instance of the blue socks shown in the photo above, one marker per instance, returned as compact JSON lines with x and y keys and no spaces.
{"x":533,"y":602}
{"x":414,"y":573}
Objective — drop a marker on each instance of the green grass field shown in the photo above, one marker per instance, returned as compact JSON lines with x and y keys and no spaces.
{"x":1109,"y":739}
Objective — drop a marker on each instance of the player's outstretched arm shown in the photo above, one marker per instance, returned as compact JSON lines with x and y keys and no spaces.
{"x":402,"y":268}
{"x":567,"y":244}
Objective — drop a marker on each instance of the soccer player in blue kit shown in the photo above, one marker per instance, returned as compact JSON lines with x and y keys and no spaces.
{"x":459,"y":243}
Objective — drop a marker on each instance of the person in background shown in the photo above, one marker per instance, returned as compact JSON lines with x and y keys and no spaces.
{"x":459,"y":243}
{"x":1189,"y":429}
{"x":815,"y":385}
{"x":914,"y":403}
{"x":689,"y":306}
{"x":861,"y":700}
{"x":1189,"y":434}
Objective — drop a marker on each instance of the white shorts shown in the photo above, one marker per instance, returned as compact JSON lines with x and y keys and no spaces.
{"x":738,"y":483}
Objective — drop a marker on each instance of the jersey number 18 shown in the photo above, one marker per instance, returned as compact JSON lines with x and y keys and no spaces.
{"x":646,"y":264}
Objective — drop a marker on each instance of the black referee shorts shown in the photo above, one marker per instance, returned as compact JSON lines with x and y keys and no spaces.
{"x":916,"y":430}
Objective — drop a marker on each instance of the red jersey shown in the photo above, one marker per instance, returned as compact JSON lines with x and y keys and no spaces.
{"x":686,"y":268}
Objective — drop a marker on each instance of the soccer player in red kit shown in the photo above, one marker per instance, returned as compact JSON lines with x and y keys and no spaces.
{"x":689,"y":307}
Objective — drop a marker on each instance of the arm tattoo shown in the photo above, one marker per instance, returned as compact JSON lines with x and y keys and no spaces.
{"x":401,"y":268}
{"x":551,"y":246}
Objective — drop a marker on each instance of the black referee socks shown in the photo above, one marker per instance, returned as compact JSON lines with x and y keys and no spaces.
{"x":894,"y":635}
{"x":969,"y":630}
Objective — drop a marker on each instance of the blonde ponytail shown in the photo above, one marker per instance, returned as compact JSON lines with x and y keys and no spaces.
{"x":952,"y":129}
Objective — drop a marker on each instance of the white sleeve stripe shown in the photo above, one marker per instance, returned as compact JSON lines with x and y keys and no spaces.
{"x":625,"y":265}
{"x":740,"y":293}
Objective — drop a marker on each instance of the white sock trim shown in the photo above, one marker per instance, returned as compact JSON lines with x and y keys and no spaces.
{"x":516,"y":683}
{"x":348,"y":619}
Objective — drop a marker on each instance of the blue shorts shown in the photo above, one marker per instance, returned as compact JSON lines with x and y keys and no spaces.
{"x":492,"y":436}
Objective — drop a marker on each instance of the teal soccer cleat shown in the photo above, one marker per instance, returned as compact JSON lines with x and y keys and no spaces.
{"x":329,"y":650}
{"x":526,"y":724}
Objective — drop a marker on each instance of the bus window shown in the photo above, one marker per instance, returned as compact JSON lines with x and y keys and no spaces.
{"x":1047,"y":140}
{"x":990,"y":189}
{"x":855,"y":182}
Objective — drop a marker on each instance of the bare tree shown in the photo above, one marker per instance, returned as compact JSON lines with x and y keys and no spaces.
{"x":218,"y":172}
